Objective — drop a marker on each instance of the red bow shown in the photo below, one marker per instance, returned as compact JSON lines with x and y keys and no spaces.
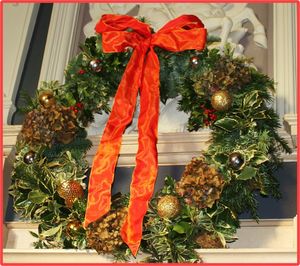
{"x":141,"y":74}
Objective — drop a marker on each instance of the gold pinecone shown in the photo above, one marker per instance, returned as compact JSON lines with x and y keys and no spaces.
{"x":104,"y":234}
{"x":70,"y":191}
{"x":208,"y":240}
{"x":200,"y":184}
{"x":46,"y":125}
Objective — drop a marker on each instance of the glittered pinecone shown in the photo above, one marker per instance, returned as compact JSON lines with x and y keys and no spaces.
{"x":104,"y":234}
{"x":70,"y":191}
{"x":208,"y":240}
{"x":200,"y":184}
{"x":46,"y":125}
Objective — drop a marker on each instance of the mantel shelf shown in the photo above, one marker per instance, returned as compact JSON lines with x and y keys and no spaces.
{"x":208,"y":256}
{"x":173,"y":148}
{"x":269,"y":241}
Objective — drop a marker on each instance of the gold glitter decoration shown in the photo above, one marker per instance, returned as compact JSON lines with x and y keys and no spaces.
{"x":70,"y":191}
{"x":168,"y":206}
{"x":221,"y":100}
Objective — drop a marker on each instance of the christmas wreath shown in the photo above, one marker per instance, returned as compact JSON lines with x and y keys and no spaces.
{"x":201,"y":209}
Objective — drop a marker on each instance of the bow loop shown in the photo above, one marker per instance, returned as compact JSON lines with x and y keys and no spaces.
{"x":183,"y":33}
{"x":183,"y":22}
{"x":121,"y":31}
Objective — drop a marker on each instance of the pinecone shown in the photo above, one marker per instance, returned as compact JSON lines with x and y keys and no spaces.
{"x":208,"y":240}
{"x":46,"y":125}
{"x":104,"y":235}
{"x":200,"y":184}
{"x":70,"y":191}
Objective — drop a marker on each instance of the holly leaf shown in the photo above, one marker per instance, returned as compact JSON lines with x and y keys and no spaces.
{"x":227,"y":124}
{"x":70,"y":98}
{"x":259,"y":159}
{"x":182,"y":227}
{"x":222,"y":238}
{"x":37,"y":196}
{"x":252,"y":100}
{"x":25,"y":185}
{"x":34,"y":234}
{"x":247,"y":173}
{"x":53,"y":164}
{"x":221,"y":158}
{"x":52,"y":231}
{"x":260,"y":115}
{"x":169,"y":185}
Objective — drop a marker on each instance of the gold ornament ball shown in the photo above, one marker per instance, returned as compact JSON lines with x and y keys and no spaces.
{"x":72,"y":228}
{"x":46,"y":99}
{"x":168,"y":206}
{"x":221,"y":100}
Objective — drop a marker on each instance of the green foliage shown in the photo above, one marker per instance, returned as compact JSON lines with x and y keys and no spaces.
{"x":34,"y":188}
{"x":94,"y":89}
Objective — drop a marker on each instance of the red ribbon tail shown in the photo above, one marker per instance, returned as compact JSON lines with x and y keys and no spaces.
{"x":102,"y":174}
{"x":145,"y":172}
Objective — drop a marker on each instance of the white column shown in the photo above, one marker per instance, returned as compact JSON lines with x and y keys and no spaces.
{"x":284,"y":34}
{"x":18,"y":24}
{"x":62,"y":37}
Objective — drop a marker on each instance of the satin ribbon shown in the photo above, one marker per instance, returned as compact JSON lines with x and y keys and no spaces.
{"x":141,"y":75}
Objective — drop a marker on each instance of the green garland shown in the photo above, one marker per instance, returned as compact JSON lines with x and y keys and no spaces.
{"x":247,"y":128}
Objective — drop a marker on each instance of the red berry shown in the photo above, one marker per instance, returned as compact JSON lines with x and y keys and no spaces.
{"x":206,"y":122}
{"x":79,"y":105}
{"x":212,"y":116}
{"x":81,"y":71}
{"x":206,"y":111}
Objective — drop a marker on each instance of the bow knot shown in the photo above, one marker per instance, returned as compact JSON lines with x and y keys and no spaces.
{"x":141,"y":75}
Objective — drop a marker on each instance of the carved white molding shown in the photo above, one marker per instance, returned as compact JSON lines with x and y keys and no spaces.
{"x":62,"y":37}
{"x":223,"y":19}
{"x":290,"y":121}
{"x":290,"y":125}
{"x":284,"y":57}
{"x":18,"y":25}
